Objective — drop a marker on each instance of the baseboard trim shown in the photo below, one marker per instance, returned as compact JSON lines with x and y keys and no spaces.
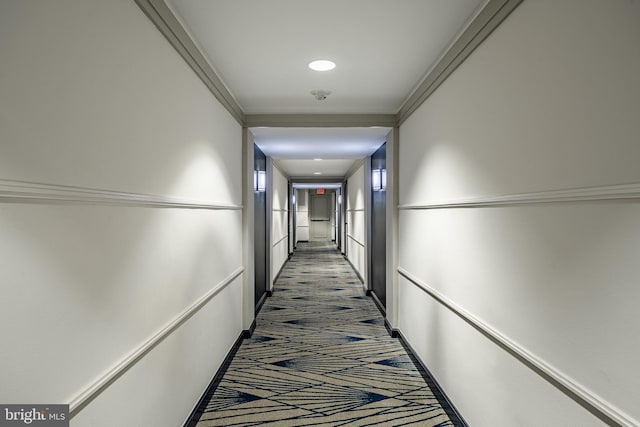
{"x":383,"y":311}
{"x":198,"y":410}
{"x":438,"y":391}
{"x":247,"y":333}
{"x":82,"y":399}
{"x":590,"y":401}
{"x":393,"y":332}
{"x":377,"y":302}
{"x":261,"y":301}
{"x":275,"y":279}
{"x":353,"y":267}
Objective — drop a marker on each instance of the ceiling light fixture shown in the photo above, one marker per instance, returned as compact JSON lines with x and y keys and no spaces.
{"x":317,"y":159}
{"x":322,"y":65}
{"x":317,"y":173}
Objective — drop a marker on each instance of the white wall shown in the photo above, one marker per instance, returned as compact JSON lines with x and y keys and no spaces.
{"x":334,"y":214}
{"x":93,"y":96}
{"x":356,"y":220}
{"x":248,"y":230}
{"x":302,"y":215}
{"x":548,"y":102}
{"x":279,"y":221}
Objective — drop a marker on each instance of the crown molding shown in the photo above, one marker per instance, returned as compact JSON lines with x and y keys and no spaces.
{"x":354,"y":167}
{"x":276,"y":164}
{"x":165,"y":20}
{"x":320,"y":120}
{"x":489,"y":18}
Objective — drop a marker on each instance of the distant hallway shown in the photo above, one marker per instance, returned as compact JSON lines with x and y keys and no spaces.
{"x":321,"y":356}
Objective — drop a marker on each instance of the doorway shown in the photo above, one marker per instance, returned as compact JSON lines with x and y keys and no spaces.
{"x":379,"y":227}
{"x":260,"y":230}
{"x":320,"y":217}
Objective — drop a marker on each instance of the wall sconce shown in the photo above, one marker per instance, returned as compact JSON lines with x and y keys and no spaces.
{"x":259,"y":181}
{"x":293,"y":199}
{"x":340,"y":199}
{"x":379,"y":179}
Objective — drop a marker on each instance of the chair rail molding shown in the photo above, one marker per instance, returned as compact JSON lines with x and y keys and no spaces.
{"x":592,"y":402}
{"x":12,"y":191}
{"x":571,"y":195}
{"x":278,"y":241}
{"x":355,"y":240}
{"x":84,"y":397}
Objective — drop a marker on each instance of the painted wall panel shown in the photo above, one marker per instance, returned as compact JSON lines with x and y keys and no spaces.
{"x":547,"y":102}
{"x":168,"y":368}
{"x":561,"y":112}
{"x":83,"y":105}
{"x":279,"y":221}
{"x":356,"y":220}
{"x":110,"y":110}
{"x":471,"y":359}
{"x":302,"y":215}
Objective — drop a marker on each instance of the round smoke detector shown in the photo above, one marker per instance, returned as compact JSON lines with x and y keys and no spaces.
{"x":320,"y":94}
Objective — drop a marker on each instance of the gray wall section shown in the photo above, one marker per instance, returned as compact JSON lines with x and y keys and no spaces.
{"x":378,"y":232}
{"x":260,"y":229}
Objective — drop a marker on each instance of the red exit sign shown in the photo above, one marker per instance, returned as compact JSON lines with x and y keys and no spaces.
{"x":320,"y":191}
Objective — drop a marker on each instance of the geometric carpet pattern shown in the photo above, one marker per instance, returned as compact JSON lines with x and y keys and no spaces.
{"x":321,"y":356}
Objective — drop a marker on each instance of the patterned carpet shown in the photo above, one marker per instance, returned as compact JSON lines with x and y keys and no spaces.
{"x":321,"y":356}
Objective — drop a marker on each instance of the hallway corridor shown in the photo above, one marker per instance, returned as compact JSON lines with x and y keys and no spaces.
{"x":320,"y":355}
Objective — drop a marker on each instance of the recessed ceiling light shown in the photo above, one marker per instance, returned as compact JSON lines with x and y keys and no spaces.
{"x":317,"y":159}
{"x":317,"y":173}
{"x":322,"y":65}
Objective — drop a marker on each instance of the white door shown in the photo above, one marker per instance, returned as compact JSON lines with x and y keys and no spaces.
{"x":320,"y":217}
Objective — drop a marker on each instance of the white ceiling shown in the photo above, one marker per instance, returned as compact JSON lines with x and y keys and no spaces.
{"x":296,"y":148}
{"x":382,"y":48}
